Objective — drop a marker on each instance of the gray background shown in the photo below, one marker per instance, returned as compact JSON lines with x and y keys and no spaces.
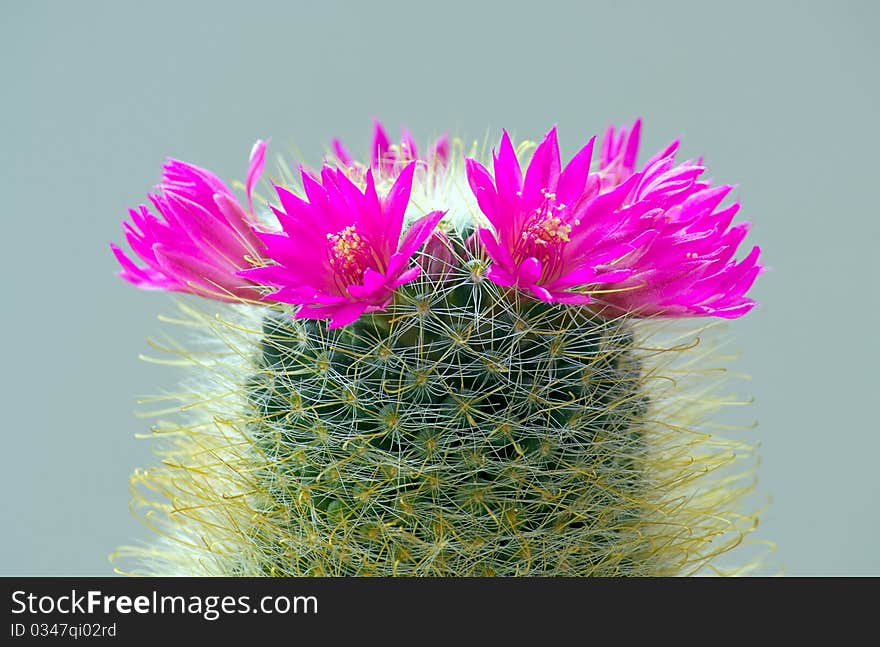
{"x":782,"y":98}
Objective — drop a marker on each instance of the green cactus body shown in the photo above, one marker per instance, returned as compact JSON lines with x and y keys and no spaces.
{"x":465,"y":430}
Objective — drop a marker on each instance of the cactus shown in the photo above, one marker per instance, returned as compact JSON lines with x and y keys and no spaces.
{"x":461,"y":426}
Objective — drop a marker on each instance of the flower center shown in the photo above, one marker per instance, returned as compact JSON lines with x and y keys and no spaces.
{"x":545,"y":229}
{"x":349,"y":254}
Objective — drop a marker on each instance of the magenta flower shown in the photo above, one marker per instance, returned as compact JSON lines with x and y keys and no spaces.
{"x":685,"y":266}
{"x":341,"y":253}
{"x":553,"y":232}
{"x":203,"y":239}
{"x":648,"y":242}
{"x":389,"y":159}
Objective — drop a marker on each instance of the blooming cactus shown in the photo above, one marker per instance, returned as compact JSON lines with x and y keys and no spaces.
{"x":434,"y":368}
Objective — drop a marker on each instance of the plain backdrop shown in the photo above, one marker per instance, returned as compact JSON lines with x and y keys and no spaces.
{"x":781,"y":97}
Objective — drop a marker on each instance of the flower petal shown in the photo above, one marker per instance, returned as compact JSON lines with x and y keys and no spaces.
{"x":483,"y":187}
{"x":529,"y":271}
{"x":339,"y":314}
{"x":498,"y":253}
{"x":508,"y":176}
{"x":573,"y":179}
{"x":440,"y":151}
{"x":542,"y":174}
{"x":255,"y":170}
{"x":381,"y":145}
{"x":341,"y":153}
{"x":419,"y":231}
{"x":395,"y":203}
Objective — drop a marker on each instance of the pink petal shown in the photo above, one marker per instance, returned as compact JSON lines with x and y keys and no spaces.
{"x":612,"y":276}
{"x":483,"y":188}
{"x":606,"y":152}
{"x":214,"y":238}
{"x":269,"y":275}
{"x":295,"y":294}
{"x":316,"y":193}
{"x":440,"y":152}
{"x":395,"y":203}
{"x":508,"y":176}
{"x":498,"y":275}
{"x":410,"y":275}
{"x":572,"y":298}
{"x":542,"y":173}
{"x":419,"y":231}
{"x":497,"y":252}
{"x":290,"y":251}
{"x":146,"y":278}
{"x":255,"y":169}
{"x":339,"y":314}
{"x":341,"y":153}
{"x":573,"y":180}
{"x":373,"y":286}
{"x":381,"y":146}
{"x":632,"y":146}
{"x":731,"y":312}
{"x":296,"y":214}
{"x":529,"y":271}
{"x":198,"y":276}
{"x":542,"y":293}
{"x":238,"y":221}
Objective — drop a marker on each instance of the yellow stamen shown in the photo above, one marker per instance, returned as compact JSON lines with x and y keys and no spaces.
{"x":346,"y":251}
{"x":546,"y":230}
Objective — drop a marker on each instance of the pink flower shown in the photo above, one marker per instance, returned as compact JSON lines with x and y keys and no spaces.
{"x":203,"y":238}
{"x":388,"y":159}
{"x":553,"y":232}
{"x":644,"y":243}
{"x":341,"y":252}
{"x":685,"y":266}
